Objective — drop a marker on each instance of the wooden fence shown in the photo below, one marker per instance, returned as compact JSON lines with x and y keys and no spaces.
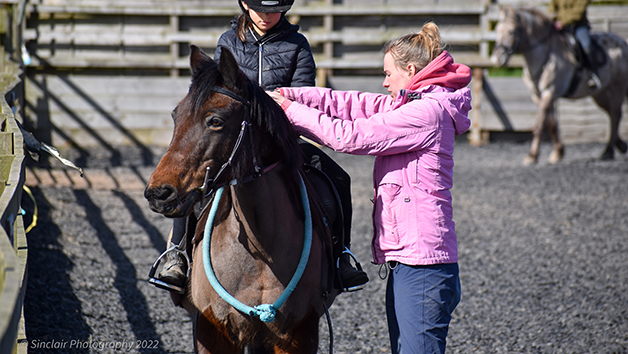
{"x":13,"y":248}
{"x":109,"y":72}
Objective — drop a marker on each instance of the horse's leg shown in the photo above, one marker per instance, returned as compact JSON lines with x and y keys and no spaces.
{"x":545,"y":104}
{"x":619,"y":143}
{"x":552,"y":127}
{"x":210,"y":340}
{"x":305,"y":338}
{"x":611,"y":103}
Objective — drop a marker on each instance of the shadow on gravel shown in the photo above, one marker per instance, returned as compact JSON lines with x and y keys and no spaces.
{"x":153,"y":234}
{"x":125,"y":280}
{"x":52,"y":311}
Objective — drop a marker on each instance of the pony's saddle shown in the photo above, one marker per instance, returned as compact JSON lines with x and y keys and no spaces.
{"x":328,"y":198}
{"x":597,"y":57}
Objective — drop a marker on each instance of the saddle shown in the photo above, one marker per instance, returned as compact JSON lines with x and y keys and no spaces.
{"x":597,"y":58}
{"x":598,"y":55}
{"x":328,"y":197}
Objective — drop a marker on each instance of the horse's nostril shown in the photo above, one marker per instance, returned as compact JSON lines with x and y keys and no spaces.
{"x":163,"y":193}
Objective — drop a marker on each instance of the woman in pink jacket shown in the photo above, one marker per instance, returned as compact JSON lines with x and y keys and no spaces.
{"x":411,"y":133}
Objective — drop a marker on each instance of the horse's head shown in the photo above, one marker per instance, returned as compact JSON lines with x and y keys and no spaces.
{"x":507,"y":31}
{"x":223,"y":128}
{"x":520,"y":30}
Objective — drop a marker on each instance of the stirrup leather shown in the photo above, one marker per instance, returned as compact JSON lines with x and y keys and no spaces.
{"x":358,"y":266}
{"x":162,"y":284}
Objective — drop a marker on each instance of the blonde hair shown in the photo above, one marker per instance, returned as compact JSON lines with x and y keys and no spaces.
{"x":416,"y":48}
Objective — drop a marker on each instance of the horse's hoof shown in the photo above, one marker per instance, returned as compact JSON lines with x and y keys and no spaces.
{"x":529,"y":160}
{"x":607,"y":156}
{"x":621,"y":146}
{"x":555,"y":157}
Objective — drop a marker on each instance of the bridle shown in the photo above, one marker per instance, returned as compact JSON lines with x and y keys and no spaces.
{"x":518,"y":33}
{"x":510,"y":50}
{"x":211,"y":184}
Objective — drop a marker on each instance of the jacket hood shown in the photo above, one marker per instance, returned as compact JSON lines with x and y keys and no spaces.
{"x":446,"y":82}
{"x":441,"y":71}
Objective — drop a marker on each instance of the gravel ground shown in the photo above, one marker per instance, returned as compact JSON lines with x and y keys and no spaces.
{"x":543,"y":258}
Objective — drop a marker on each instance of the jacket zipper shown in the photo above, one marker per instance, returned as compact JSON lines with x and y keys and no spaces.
{"x":261,"y":54}
{"x":259,"y":64}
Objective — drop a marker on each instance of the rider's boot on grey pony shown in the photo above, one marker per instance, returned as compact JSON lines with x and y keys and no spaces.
{"x":594,"y":81}
{"x":582,"y":35}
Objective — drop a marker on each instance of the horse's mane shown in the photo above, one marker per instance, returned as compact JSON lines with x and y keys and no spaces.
{"x":270,"y":117}
{"x":537,"y":15}
{"x":264,"y":112}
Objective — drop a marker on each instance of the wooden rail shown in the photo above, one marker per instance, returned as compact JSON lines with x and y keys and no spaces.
{"x":13,"y":248}
{"x":131,"y":34}
{"x":73,"y":43}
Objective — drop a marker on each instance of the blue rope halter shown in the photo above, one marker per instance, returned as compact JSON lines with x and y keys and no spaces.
{"x":266,"y":312}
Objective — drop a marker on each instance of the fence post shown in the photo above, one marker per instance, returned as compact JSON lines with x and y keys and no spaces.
{"x":476,"y":136}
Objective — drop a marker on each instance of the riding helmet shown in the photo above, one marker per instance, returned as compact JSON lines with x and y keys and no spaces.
{"x":268,"y":6}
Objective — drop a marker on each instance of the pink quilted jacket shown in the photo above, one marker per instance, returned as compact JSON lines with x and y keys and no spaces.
{"x":412,"y":139}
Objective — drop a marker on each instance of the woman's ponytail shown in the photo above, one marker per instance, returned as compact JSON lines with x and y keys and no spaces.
{"x":416,"y":48}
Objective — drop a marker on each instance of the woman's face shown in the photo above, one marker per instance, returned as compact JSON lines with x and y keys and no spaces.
{"x":262,"y":21}
{"x":396,"y":78}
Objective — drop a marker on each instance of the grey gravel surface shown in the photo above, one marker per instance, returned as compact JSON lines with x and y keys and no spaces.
{"x":543,"y":257}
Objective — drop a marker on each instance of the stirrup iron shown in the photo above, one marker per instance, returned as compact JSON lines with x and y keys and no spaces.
{"x":358,"y":266}
{"x":162,"y":284}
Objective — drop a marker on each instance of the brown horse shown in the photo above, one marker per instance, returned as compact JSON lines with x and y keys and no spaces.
{"x":551,"y":71}
{"x":230,"y":136}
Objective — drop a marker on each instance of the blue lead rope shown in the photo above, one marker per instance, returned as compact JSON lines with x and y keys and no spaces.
{"x":266,"y":312}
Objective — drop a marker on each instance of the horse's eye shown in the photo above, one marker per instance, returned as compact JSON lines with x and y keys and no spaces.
{"x":213,"y":122}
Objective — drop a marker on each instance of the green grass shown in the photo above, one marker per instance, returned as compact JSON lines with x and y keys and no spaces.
{"x":505,"y":72}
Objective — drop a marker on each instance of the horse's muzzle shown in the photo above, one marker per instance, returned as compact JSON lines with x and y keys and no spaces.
{"x":500,"y":56}
{"x":166,"y":200}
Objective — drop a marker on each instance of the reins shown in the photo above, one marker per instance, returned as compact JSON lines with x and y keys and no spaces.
{"x":519,"y":32}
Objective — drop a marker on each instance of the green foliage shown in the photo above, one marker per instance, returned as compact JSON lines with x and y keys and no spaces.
{"x":609,"y":2}
{"x":505,"y":72}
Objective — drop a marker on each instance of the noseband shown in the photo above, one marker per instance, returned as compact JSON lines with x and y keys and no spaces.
{"x":211,"y":184}
{"x":518,"y":33}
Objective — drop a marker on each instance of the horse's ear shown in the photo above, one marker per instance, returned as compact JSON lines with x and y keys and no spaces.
{"x":228,"y":67}
{"x":197,"y":58}
{"x":505,"y":11}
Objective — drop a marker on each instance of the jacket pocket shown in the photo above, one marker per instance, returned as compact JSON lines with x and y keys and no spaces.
{"x":386,"y":216}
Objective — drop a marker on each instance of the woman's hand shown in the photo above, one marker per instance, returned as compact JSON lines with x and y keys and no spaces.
{"x":276,"y":95}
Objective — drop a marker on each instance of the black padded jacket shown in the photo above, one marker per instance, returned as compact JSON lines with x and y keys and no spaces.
{"x":284,"y":53}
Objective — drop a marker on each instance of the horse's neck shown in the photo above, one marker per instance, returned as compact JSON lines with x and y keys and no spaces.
{"x":264,"y":206}
{"x":543,"y":45}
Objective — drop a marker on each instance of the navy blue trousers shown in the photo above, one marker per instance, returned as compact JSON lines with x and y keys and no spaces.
{"x":419,"y":304}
